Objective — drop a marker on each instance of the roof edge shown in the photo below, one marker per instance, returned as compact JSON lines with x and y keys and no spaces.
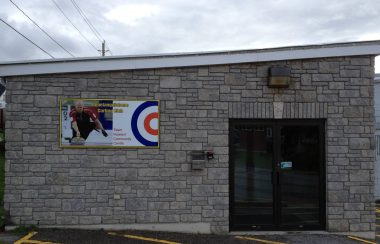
{"x":96,"y":64}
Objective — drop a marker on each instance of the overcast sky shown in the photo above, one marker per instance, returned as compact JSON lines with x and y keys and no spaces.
{"x":165,"y":26}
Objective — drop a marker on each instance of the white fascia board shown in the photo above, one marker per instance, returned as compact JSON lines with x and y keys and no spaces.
{"x":182,"y":60}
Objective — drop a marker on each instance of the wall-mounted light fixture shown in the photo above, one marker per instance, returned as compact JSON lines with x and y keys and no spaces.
{"x":279,"y":76}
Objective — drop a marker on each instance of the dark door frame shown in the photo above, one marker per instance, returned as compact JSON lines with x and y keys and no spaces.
{"x":276,"y":125}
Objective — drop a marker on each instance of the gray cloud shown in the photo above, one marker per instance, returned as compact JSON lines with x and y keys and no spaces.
{"x":182,"y":26}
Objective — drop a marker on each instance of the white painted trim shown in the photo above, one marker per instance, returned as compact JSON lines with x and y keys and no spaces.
{"x":185,"y":60}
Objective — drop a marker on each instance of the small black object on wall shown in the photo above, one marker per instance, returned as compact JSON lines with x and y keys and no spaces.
{"x":209,"y":155}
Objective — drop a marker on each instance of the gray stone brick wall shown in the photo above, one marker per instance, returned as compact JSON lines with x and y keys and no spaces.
{"x":49,"y":185}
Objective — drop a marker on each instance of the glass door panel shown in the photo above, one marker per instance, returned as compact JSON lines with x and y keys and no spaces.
{"x":252,"y":148}
{"x":299,"y":176}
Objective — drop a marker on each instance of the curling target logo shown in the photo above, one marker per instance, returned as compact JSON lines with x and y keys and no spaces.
{"x":144,"y":123}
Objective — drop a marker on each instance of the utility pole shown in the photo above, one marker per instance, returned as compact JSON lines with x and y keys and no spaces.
{"x":103,"y":51}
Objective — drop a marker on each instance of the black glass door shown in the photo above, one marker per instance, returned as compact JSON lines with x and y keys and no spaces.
{"x":277,"y":175}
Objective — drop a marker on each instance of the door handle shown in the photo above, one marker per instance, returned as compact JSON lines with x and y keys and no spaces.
{"x":278,"y":177}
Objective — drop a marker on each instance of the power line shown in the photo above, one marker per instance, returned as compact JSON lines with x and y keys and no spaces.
{"x":93,"y":29}
{"x":74,"y":25}
{"x":41,"y":29}
{"x":26,"y":38}
{"x":84,"y":17}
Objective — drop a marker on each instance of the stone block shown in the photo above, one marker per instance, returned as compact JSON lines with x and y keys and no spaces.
{"x":202,"y":190}
{"x":338,"y":149}
{"x":40,"y":167}
{"x":219,"y":69}
{"x":322,"y":77}
{"x":101,"y":211}
{"x":350,"y":73}
{"x":73,"y":189}
{"x":45,"y":101}
{"x":156,"y":184}
{"x":175,"y":184}
{"x":38,"y":120}
{"x":208,"y":94}
{"x":147,"y":216}
{"x":218,"y":140}
{"x":167,"y":172}
{"x":360,"y":175}
{"x":54,"y":90}
{"x":22,"y":99}
{"x":329,"y":67}
{"x":191,"y":217}
{"x":186,"y":123}
{"x":33,"y":150}
{"x":305,"y":79}
{"x":349,"y":93}
{"x":137,"y":92}
{"x":212,"y":213}
{"x":56,"y":178}
{"x":360,"y":61}
{"x":168,"y":218}
{"x":90,"y":220}
{"x":170,"y":82}
{"x":33,"y":181}
{"x":236,"y":79}
{"x":360,"y":227}
{"x":175,"y":156}
{"x":203,"y":72}
{"x":337,"y":196}
{"x":67,"y":220}
{"x":57,"y":159}
{"x":73,"y":205}
{"x":97,"y":185}
{"x":148,"y":172}
{"x":53,"y":203}
{"x":126,"y":174}
{"x":306,"y":96}
{"x":351,"y":215}
{"x":12,"y":198}
{"x":158,"y":205}
{"x":217,"y":173}
{"x":359,"y":143}
{"x":80,"y":172}
{"x":338,"y":225}
{"x":335,"y":210}
{"x":44,"y":217}
{"x":147,"y":193}
{"x":29,"y":194}
{"x":13,"y":135}
{"x":136,"y":204}
{"x":252,"y":93}
{"x":23,"y":212}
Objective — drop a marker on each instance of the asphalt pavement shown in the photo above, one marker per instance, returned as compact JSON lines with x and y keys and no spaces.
{"x":77,"y":236}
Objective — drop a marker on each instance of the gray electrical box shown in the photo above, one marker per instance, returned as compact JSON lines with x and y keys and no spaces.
{"x":197,"y":160}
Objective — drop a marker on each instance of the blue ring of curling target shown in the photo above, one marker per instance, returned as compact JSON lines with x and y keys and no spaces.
{"x":135,"y":129}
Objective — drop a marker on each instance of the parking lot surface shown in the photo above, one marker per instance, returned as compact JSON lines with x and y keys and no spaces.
{"x":75,"y":236}
{"x":63,"y":236}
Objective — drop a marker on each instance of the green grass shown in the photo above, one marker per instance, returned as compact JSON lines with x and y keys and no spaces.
{"x":24,"y":229}
{"x":2,"y":178}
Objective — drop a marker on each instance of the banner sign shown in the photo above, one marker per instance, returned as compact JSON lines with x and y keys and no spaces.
{"x":108,"y":123}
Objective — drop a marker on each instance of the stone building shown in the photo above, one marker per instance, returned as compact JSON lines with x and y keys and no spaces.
{"x":234,"y":153}
{"x":377,"y":136}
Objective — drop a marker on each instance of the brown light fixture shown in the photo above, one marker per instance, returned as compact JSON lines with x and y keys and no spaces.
{"x":279,"y":76}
